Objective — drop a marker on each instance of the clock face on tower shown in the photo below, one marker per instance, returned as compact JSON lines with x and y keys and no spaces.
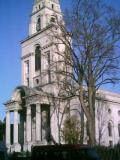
{"x":38,"y":24}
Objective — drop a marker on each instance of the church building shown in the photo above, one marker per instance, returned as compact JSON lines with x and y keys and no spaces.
{"x":32,"y":101}
{"x":35,"y":104}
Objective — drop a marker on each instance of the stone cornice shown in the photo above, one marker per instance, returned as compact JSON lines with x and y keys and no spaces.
{"x":10,"y":102}
{"x":28,"y":55}
{"x":13,"y":105}
{"x":108,"y":100}
{"x":58,"y":12}
{"x":37,"y":33}
{"x":46,"y":46}
{"x":41,"y":98}
{"x":108,"y":96}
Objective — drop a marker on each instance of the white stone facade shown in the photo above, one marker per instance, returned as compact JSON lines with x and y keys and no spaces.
{"x":108,"y":112}
{"x":36,"y":104}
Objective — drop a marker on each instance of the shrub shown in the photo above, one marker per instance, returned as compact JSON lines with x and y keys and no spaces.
{"x":108,"y":153}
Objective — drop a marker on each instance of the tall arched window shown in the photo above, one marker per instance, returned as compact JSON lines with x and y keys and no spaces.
{"x":49,"y":72}
{"x":109,"y":129}
{"x":37,"y":59}
{"x":119,"y":129}
{"x":38,"y":25}
{"x":109,"y":111}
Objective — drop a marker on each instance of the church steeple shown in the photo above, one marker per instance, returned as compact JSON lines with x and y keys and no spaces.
{"x":37,"y":49}
{"x":41,"y":14}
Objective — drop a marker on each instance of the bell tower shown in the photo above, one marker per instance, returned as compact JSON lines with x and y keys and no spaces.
{"x":37,"y":49}
{"x":41,"y":14}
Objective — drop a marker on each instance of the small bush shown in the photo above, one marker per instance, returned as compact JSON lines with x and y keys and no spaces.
{"x":107,"y":153}
{"x":20,"y":156}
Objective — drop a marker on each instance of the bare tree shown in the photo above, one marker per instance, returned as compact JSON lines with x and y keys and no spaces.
{"x":90,"y":36}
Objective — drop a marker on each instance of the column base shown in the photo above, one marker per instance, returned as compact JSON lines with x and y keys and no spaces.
{"x":27,"y":147}
{"x":8,"y":146}
{"x":40,"y":143}
{"x":16,"y":147}
{"x":44,"y":142}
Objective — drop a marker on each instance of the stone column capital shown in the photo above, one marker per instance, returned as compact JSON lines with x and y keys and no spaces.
{"x":16,"y":109}
{"x":37,"y":103}
{"x":28,"y":105}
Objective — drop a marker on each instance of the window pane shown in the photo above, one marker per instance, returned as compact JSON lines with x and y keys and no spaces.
{"x":38,"y":25}
{"x":119,"y":129}
{"x":38,"y":59}
{"x":109,"y":129}
{"x":49,"y":72}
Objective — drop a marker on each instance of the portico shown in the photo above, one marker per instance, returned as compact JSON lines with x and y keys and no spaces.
{"x":12,"y":106}
{"x":30,"y":129}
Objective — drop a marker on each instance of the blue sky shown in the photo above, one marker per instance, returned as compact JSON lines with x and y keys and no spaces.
{"x":14,"y":21}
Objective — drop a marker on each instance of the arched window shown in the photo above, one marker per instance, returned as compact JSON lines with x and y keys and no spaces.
{"x":109,"y":129}
{"x":52,"y":6}
{"x":49,"y":72}
{"x":119,"y":113}
{"x":37,"y":59}
{"x":52,"y":20}
{"x":109,"y":111}
{"x":119,"y":129}
{"x":38,"y":25}
{"x":110,"y":143}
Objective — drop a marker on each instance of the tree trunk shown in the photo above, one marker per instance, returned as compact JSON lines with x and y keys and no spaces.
{"x":90,"y":115}
{"x":82,"y":127}
{"x":91,"y":127}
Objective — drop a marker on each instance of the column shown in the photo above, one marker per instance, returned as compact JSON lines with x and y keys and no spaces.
{"x":15,"y":126}
{"x":21,"y":129}
{"x":38,"y":122}
{"x":8,"y":128}
{"x":28,"y":125}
